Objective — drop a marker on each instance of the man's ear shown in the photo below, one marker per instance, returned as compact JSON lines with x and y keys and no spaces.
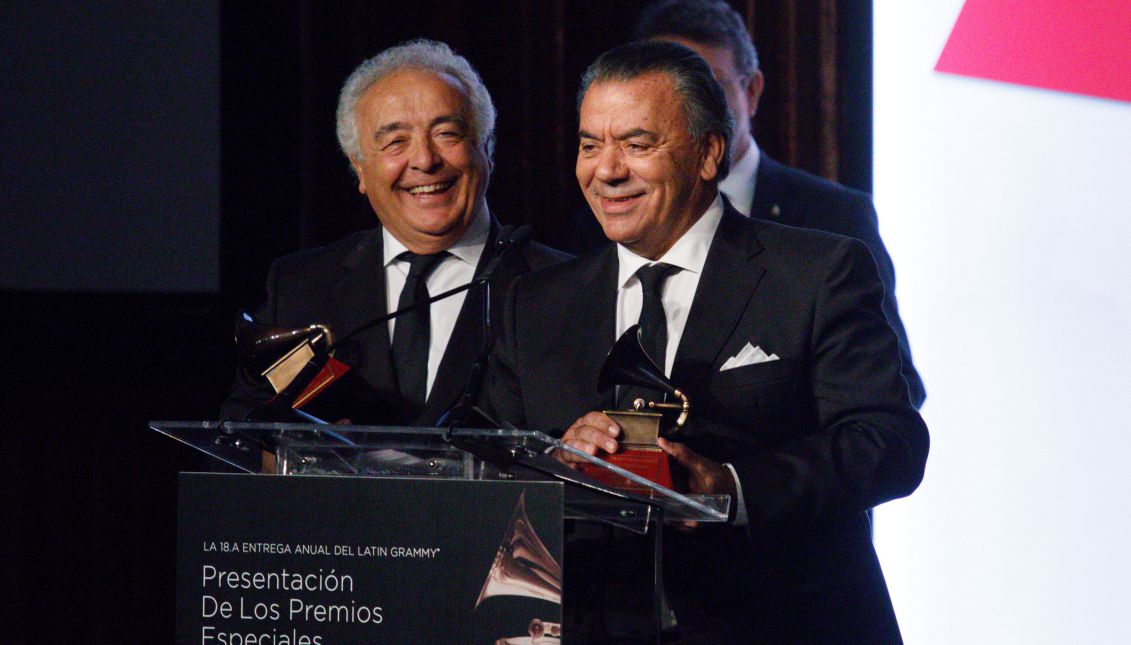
{"x":713,"y":150}
{"x":754,"y":88}
{"x":356,"y":165}
{"x":488,"y":148}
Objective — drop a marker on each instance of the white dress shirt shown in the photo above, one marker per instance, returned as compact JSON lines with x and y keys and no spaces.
{"x":689,"y":253}
{"x":453,"y":271}
{"x":739,"y":185}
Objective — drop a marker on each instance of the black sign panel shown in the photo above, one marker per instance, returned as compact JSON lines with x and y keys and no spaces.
{"x":271,"y":560}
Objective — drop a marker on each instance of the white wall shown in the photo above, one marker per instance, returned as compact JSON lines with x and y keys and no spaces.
{"x":1007,"y":211}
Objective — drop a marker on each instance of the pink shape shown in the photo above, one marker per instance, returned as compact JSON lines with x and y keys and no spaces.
{"x":1077,"y":46}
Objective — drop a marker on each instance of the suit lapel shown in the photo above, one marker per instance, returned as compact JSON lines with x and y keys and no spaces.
{"x":593,"y":326}
{"x":730,"y":276}
{"x":360,"y":297}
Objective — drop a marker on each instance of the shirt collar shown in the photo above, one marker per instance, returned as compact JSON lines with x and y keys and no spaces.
{"x":468,"y":248}
{"x":739,"y":184}
{"x":688,"y":253}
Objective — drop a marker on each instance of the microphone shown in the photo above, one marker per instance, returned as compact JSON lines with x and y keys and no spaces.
{"x":509,"y":240}
{"x":518,"y":236}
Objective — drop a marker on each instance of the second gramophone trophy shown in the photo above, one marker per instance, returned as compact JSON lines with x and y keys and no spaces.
{"x":627,"y":364}
{"x":297,"y":362}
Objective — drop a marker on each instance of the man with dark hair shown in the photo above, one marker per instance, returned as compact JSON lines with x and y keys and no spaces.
{"x":759,"y":186}
{"x":417,"y":125}
{"x":777,"y":336}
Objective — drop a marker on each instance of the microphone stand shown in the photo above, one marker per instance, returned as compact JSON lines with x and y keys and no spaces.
{"x":465,"y":412}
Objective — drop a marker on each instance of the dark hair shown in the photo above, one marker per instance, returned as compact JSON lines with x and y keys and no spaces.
{"x":704,"y":104}
{"x":711,"y":22}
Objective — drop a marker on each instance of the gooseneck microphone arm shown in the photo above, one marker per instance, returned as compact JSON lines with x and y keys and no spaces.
{"x":298,"y":384}
{"x":413,"y":307}
{"x":508,"y":239}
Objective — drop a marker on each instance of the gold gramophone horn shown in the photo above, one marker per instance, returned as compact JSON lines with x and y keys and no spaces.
{"x":628,"y":364}
{"x":278,"y":353}
{"x":523,"y":566}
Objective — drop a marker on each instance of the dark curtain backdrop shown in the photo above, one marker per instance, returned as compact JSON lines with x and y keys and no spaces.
{"x":89,"y":493}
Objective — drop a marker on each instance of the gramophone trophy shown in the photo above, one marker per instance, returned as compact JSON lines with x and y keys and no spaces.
{"x":296,"y":361}
{"x":628,"y":364}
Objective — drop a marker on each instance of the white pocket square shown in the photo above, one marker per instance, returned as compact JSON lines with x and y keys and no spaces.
{"x":748,"y":355}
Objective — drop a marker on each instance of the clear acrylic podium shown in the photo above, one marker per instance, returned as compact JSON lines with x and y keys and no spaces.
{"x":453,"y":454}
{"x":469,"y":454}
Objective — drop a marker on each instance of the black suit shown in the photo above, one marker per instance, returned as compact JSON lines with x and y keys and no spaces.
{"x":343,"y":285}
{"x":817,"y":437}
{"x":796,"y":198}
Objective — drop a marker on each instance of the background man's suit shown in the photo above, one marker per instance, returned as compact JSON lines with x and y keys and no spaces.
{"x":817,"y":437}
{"x":343,"y":285}
{"x":796,"y":198}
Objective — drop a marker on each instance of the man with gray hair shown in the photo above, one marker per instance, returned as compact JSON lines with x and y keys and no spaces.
{"x":775,"y":334}
{"x":759,"y":186}
{"x":417,"y":125}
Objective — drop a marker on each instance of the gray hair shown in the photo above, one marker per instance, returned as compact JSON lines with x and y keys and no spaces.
{"x":711,"y":22}
{"x":425,"y":55}
{"x":704,"y":103}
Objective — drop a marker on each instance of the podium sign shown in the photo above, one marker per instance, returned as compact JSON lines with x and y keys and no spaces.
{"x":396,"y":534}
{"x":311,"y":560}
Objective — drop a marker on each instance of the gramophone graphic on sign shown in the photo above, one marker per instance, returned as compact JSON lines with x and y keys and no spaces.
{"x":524,"y":567}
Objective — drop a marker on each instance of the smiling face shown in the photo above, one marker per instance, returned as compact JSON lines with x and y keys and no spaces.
{"x":423,"y":171}
{"x":643,"y":175}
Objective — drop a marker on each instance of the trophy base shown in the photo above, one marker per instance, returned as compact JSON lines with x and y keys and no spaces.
{"x":639,"y":454}
{"x":330,"y":372}
{"x":651,"y":464}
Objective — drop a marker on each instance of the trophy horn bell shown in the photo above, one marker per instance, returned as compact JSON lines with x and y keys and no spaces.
{"x":260,"y":345}
{"x":627,"y":363}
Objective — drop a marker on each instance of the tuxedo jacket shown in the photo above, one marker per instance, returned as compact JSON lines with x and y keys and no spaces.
{"x":817,"y":437}
{"x":342,"y":285}
{"x":796,"y":198}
